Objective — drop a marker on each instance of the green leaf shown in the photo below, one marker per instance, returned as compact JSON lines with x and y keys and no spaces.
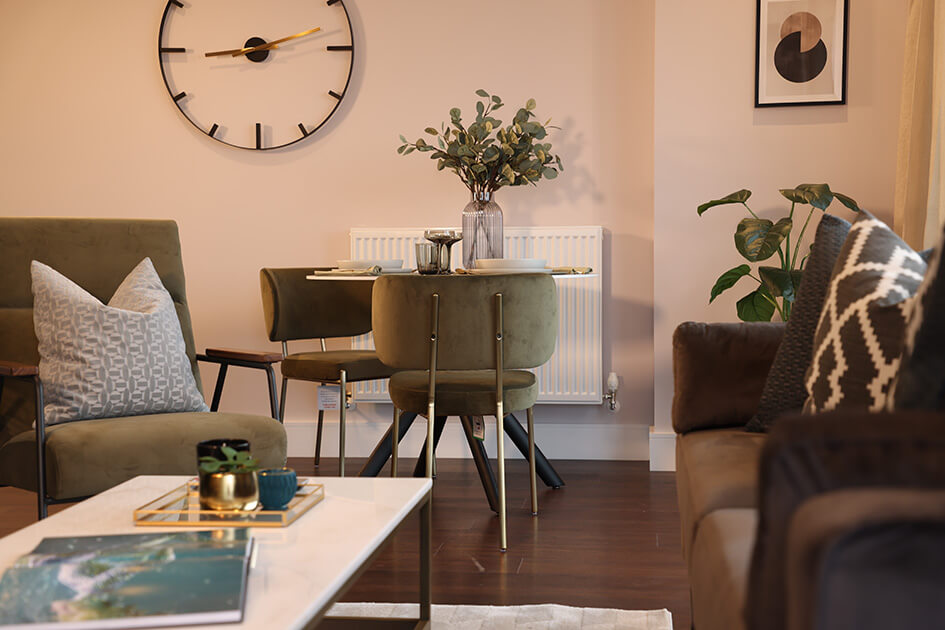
{"x":818,"y":195}
{"x":480,"y":108}
{"x":455,"y":113}
{"x":549,"y":173}
{"x":796,"y":195}
{"x":728,"y":279}
{"x":401,"y":148}
{"x":496,"y":100}
{"x":229,"y":451}
{"x":740,"y":196}
{"x":530,"y":104}
{"x":847,"y":201}
{"x":759,"y":239}
{"x":482,"y":93}
{"x":431,"y":131}
{"x":755,"y":306}
{"x":780,"y":282}
{"x":402,"y":138}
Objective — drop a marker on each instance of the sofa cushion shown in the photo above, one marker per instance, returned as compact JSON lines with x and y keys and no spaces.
{"x":718,"y":570}
{"x":715,"y":470}
{"x":125,"y":358}
{"x":859,"y":338}
{"x":84,"y":458}
{"x":784,"y":389}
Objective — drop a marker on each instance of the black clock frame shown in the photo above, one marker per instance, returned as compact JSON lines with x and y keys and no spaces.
{"x":176,"y":98}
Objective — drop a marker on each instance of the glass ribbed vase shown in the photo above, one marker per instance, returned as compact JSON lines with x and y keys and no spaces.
{"x":482,"y":229}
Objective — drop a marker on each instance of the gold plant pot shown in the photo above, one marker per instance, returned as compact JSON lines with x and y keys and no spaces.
{"x":229,"y":491}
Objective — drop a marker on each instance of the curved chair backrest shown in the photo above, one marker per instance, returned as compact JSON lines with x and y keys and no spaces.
{"x":96,"y":254}
{"x":403,"y":314}
{"x":296,"y":308}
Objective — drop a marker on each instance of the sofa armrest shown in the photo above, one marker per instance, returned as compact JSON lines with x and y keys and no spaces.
{"x":14,"y":368}
{"x":719,"y":371}
{"x":866,"y":558}
{"x":806,"y":456}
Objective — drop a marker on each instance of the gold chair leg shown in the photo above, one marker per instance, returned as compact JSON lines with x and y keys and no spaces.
{"x":395,"y":443}
{"x":500,"y":437}
{"x":341,"y":429}
{"x":532,"y":476}
{"x":430,"y":416}
{"x":318,"y":437}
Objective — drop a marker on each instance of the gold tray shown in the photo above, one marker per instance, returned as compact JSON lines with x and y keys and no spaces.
{"x":181,"y":508}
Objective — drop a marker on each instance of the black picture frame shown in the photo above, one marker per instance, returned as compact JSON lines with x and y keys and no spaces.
{"x":787,"y":73}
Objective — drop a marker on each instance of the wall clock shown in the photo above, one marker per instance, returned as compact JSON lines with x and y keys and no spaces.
{"x":256,"y":74}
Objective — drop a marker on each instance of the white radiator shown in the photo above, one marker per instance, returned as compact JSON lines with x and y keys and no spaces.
{"x":573,"y":374}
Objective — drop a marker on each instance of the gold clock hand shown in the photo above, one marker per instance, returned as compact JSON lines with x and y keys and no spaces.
{"x":273,"y":43}
{"x":220,"y":53}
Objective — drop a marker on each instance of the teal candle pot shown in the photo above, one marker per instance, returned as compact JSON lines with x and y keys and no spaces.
{"x":277,"y":486}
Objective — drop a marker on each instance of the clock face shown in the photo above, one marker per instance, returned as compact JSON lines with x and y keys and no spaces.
{"x":256,"y":74}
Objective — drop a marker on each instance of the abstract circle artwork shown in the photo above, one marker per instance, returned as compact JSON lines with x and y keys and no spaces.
{"x":801,"y":54}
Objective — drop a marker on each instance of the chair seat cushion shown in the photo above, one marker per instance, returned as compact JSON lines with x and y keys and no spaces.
{"x":466,"y":393}
{"x":84,"y":458}
{"x":359,"y":365}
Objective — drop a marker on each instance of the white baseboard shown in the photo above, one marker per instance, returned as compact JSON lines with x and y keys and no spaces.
{"x":662,"y":450}
{"x":557,"y":441}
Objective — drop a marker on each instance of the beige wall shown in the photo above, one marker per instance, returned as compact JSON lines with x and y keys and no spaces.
{"x":89,"y":130}
{"x":711,"y":141}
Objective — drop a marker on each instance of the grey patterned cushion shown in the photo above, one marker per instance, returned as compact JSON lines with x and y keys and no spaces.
{"x":859,"y":337}
{"x":920,"y":383}
{"x":124,"y":359}
{"x":784,"y":390}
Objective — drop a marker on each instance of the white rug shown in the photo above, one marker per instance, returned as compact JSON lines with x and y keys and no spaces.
{"x":534,"y":617}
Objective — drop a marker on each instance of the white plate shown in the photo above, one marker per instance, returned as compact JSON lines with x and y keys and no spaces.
{"x":385,"y":265}
{"x":510,"y":263}
{"x":498,"y":272}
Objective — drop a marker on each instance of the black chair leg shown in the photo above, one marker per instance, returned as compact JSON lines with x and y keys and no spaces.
{"x":481,"y":459}
{"x":273,"y":398}
{"x":382,"y":452}
{"x":218,"y":388}
{"x":420,"y":470}
{"x":41,"y":502}
{"x":318,"y":437}
{"x":519,"y":437}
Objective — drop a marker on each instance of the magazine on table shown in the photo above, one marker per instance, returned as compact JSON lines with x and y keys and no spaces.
{"x":128,"y":581}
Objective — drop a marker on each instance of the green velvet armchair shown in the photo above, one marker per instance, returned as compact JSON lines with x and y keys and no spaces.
{"x":70,"y":461}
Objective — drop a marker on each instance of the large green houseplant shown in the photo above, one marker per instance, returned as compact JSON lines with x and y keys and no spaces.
{"x":758,"y":239}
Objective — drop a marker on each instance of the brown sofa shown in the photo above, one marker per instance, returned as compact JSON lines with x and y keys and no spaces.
{"x":830,"y":521}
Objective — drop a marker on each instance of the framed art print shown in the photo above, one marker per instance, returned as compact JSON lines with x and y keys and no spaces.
{"x":800,"y":52}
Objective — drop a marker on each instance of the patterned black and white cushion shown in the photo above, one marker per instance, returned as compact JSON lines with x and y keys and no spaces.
{"x":859,"y":336}
{"x":126,"y":358}
{"x":920,"y":383}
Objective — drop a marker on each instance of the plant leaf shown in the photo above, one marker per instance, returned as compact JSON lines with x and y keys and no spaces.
{"x":754,"y":307}
{"x":795,"y":195}
{"x":740,"y":196}
{"x":818,"y":195}
{"x":780,"y":282}
{"x":482,"y":93}
{"x":728,"y":279}
{"x":847,"y":201}
{"x":759,"y":239}
{"x":530,"y":104}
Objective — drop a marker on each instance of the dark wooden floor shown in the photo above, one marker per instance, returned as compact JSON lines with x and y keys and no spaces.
{"x":609,"y":538}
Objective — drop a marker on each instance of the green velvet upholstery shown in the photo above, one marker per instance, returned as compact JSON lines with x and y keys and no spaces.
{"x":296,"y":308}
{"x":90,"y":456}
{"x":360,"y":365}
{"x":403,"y":314}
{"x":463,"y":393}
{"x":87,"y":457}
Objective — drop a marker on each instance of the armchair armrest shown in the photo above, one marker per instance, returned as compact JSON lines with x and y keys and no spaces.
{"x":14,"y":368}
{"x":719,"y":371}
{"x":869,"y":558}
{"x":807,"y":456}
{"x":243,"y":355}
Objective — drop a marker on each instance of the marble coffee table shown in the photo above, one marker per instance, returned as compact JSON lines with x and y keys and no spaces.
{"x":299,"y":571}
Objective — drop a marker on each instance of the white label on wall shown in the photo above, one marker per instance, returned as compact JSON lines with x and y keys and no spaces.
{"x":329,"y":397}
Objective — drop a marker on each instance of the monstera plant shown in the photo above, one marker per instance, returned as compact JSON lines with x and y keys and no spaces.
{"x":758,"y":240}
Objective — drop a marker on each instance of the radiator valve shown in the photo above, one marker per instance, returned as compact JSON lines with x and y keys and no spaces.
{"x":611,"y":396}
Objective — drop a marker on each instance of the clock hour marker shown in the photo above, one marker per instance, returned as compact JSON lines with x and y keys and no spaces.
{"x":341,"y":48}
{"x":213,"y":130}
{"x":179,"y":96}
{"x":173,"y":50}
{"x":335,"y":94}
{"x":258,"y":135}
{"x":302,"y":129}
{"x":178,"y":3}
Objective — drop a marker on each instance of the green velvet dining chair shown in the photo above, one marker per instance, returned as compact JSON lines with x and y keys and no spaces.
{"x":299,"y":309}
{"x":462,"y":346}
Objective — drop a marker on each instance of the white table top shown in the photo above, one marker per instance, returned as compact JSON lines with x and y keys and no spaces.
{"x":556,"y":276}
{"x":298,"y":570}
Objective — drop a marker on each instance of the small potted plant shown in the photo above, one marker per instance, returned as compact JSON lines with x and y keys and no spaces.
{"x":229,"y":482}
